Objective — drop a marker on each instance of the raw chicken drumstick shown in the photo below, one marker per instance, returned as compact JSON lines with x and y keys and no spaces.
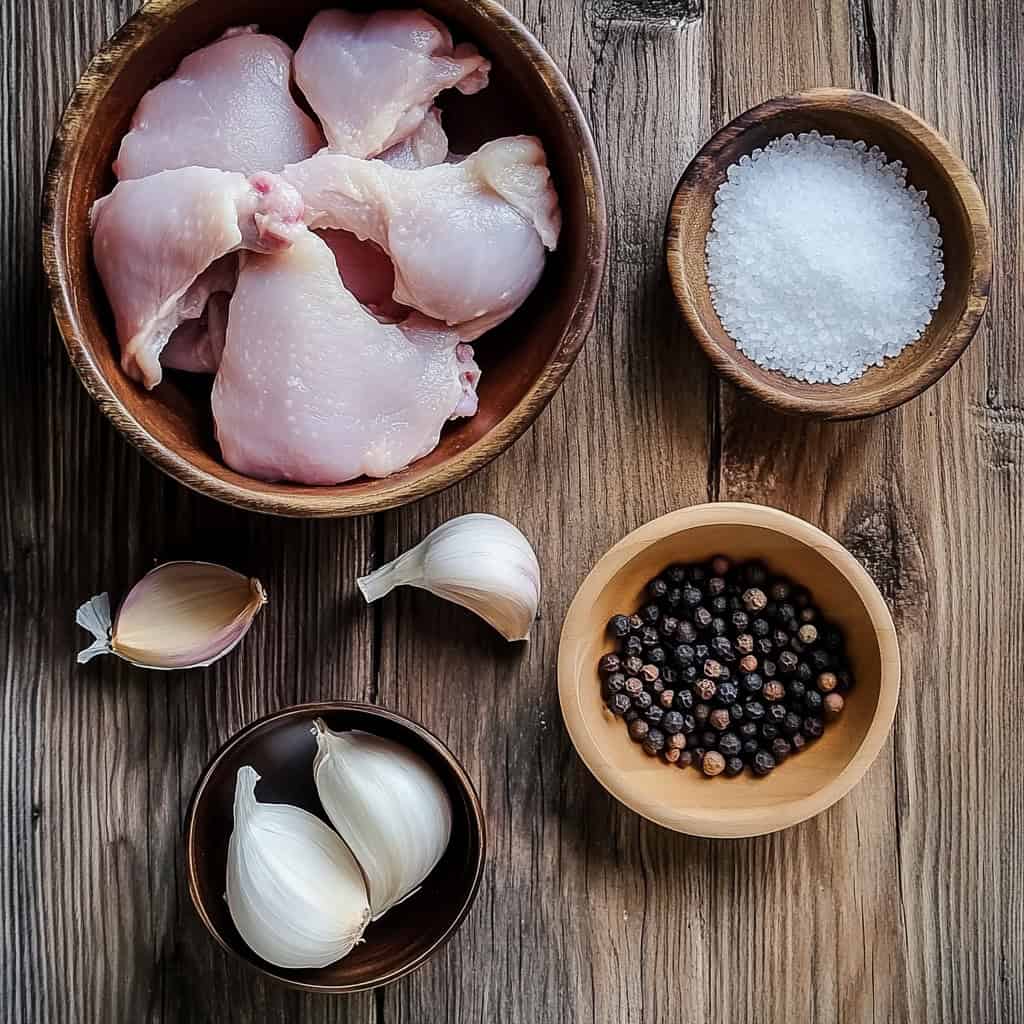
{"x":467,"y":240}
{"x":371,"y":78}
{"x":311,"y":388}
{"x":154,"y":237}
{"x":228,"y":105}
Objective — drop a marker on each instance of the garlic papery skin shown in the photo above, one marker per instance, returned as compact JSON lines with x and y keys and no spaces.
{"x":179,"y":615}
{"x":295,"y":893}
{"x":389,"y":806}
{"x":479,"y":561}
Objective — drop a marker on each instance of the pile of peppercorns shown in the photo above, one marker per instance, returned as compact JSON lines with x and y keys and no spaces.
{"x":726,"y":666}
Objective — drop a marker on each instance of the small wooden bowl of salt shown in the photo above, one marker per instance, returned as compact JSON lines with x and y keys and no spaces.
{"x":818,"y":296}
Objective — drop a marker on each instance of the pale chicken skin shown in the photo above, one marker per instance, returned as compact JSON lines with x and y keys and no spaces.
{"x":313,"y":389}
{"x":227,"y":106}
{"x":196,"y":345}
{"x":371,"y":79}
{"x":466,"y":239}
{"x":154,"y":237}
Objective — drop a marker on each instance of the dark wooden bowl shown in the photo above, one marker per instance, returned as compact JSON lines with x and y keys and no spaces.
{"x":954,"y":200}
{"x":281,"y":748}
{"x":524,"y":360}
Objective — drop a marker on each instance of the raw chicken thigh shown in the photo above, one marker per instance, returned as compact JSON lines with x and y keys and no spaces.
{"x":367,"y":273}
{"x":228,"y":106}
{"x":427,"y":146}
{"x":154,"y":237}
{"x":197,"y":345}
{"x":312,"y":388}
{"x":467,"y":240}
{"x":372,"y":78}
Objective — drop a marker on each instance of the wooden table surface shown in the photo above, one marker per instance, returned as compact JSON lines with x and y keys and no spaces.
{"x":901,"y":903}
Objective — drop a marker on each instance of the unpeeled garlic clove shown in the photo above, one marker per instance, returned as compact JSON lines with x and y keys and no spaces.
{"x":479,"y":561}
{"x":295,"y":893}
{"x":179,"y":615}
{"x":389,"y":806}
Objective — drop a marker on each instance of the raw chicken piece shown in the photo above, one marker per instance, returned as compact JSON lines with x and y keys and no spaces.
{"x":154,"y":237}
{"x":197,"y":345}
{"x":313,"y":389}
{"x":367,"y":273}
{"x":228,"y":105}
{"x":426,"y":147}
{"x":467,"y":240}
{"x":372,"y":78}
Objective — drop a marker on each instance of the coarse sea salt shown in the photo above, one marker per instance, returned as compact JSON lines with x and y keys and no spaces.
{"x":821,"y":260}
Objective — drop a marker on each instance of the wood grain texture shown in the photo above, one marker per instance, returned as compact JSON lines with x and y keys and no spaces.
{"x":901,"y":903}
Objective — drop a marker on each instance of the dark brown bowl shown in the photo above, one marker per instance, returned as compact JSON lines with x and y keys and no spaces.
{"x":281,"y":748}
{"x":955,"y":203}
{"x":524,"y":360}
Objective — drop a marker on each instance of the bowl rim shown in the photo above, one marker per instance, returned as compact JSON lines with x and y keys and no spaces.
{"x":736,"y":513}
{"x":94,"y":84}
{"x":733,"y":364}
{"x":476,"y":818}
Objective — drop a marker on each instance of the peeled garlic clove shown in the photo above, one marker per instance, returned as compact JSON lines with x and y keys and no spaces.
{"x":179,"y":615}
{"x":388,"y":805}
{"x":295,"y":893}
{"x":478,"y":561}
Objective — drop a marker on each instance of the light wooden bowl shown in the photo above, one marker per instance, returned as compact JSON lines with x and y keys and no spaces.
{"x":524,"y":360}
{"x":281,"y":748}
{"x":954,"y":200}
{"x":806,"y":783}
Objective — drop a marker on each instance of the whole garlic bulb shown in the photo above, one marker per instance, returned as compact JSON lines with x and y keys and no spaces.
{"x":479,"y":561}
{"x":295,"y":893}
{"x":389,"y":806}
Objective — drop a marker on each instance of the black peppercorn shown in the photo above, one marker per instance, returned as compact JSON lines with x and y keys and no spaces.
{"x":755,"y":710}
{"x":701,"y":712}
{"x":769,"y":730}
{"x":748,"y":663}
{"x":769,"y":668}
{"x":774,"y":690}
{"x":686,"y":633}
{"x":633,"y":686}
{"x":609,"y":663}
{"x":657,"y":656}
{"x":786,"y":613}
{"x":657,"y":588}
{"x":689,"y":724}
{"x":683,"y":700}
{"x":632,"y":665}
{"x":754,"y":600}
{"x":719,"y":606}
{"x":684,"y":654}
{"x":619,"y":704}
{"x":820,"y":660}
{"x":741,"y":623}
{"x":727,"y":693}
{"x":675,"y":739}
{"x":833,"y":705}
{"x":668,"y":626}
{"x":690,"y":673}
{"x":791,"y":723}
{"x":781,"y":749}
{"x":635,"y":623}
{"x":716,"y":586}
{"x":796,"y":646}
{"x":760,"y":627}
{"x":631,"y":715}
{"x":673,"y":599}
{"x":763,"y":762}
{"x":698,"y":755}
{"x":747,"y":730}
{"x":712,"y":668}
{"x":669,"y":675}
{"x":649,"y":636}
{"x":702,"y":618}
{"x":708,"y":739}
{"x":654,"y":742}
{"x":798,"y":742}
{"x":812,"y":700}
{"x":722,"y":648}
{"x":776,"y":714}
{"x":733,"y":766}
{"x":656,"y":688}
{"x":706,"y":689}
{"x":780,"y":639}
{"x":813,"y":727}
{"x":720,"y":719}
{"x":615,"y":683}
{"x":648,"y":673}
{"x":672,"y":723}
{"x":736,"y":712}
{"x":638,"y":729}
{"x":642,"y":701}
{"x":618,"y":625}
{"x":745,"y":645}
{"x":713,"y":763}
{"x":807,"y":634}
{"x":729,"y":744}
{"x":787,"y":663}
{"x":685,"y":759}
{"x":633,"y":646}
{"x":749,"y":749}
{"x":650,"y":614}
{"x":752,"y":682}
{"x":804,"y":672}
{"x":670,"y":755}
{"x":654,"y":714}
{"x":692,"y":596}
{"x":701,"y":651}
{"x":666,"y":698}
{"x":827,"y":682}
